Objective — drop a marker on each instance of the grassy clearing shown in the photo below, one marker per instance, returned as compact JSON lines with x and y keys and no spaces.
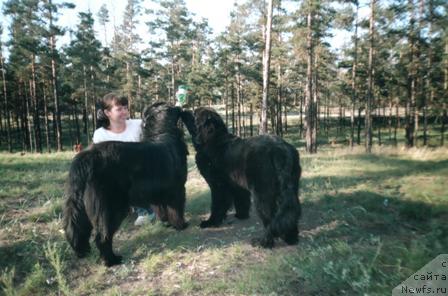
{"x":369,"y":221}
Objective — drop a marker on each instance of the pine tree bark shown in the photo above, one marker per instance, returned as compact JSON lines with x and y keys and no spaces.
{"x":35,"y":102}
{"x":7,"y":112}
{"x":444,"y":106}
{"x":238,"y":101}
{"x":315,"y":102}
{"x":368,"y":115}
{"x":266,"y":65}
{"x":54,"y":82}
{"x":86,"y":107}
{"x":354,"y":90}
{"x":410,"y":102}
{"x":309,"y":122}
{"x":46,"y":122}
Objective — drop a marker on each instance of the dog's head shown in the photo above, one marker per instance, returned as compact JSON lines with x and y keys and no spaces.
{"x":209,"y":125}
{"x":160,"y":118}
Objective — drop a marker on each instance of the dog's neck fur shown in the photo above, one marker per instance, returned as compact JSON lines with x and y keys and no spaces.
{"x":218,"y":145}
{"x":160,"y":133}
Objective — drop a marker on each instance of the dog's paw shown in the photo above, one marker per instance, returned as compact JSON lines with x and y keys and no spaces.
{"x":291,"y":240}
{"x":242,"y":216}
{"x":83,"y":253}
{"x":181,"y":226}
{"x":208,"y":223}
{"x":262,"y":242}
{"x":113,"y":260}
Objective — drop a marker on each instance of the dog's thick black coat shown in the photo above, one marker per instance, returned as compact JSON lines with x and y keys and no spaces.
{"x":106,"y":180}
{"x":265,"y":167}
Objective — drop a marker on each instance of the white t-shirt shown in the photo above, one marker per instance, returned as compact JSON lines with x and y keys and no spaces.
{"x":130,"y":134}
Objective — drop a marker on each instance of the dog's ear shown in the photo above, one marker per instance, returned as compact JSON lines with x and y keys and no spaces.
{"x":209,"y":127}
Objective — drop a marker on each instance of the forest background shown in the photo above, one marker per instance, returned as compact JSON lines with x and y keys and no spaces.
{"x":386,"y":83}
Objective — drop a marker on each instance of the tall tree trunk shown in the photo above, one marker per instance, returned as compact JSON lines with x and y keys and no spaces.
{"x":238,"y":101}
{"x":380,"y":121}
{"x":78,"y":129}
{"x":339,"y":119}
{"x":444,"y":106}
{"x":36,"y":118}
{"x":226,"y":99}
{"x":389,"y":118}
{"x":358,"y":135}
{"x":410,"y":102}
{"x":47,"y":127}
{"x":419,"y":72}
{"x":86,"y":107}
{"x":28,"y":121}
{"x":279,"y":124}
{"x":23,"y":116}
{"x":301,"y":118}
{"x":243,"y":114}
{"x":354,"y":69}
{"x":139,"y":92}
{"x":173,"y":79}
{"x":397,"y":123}
{"x":93,"y":96}
{"x":54,"y":83}
{"x":251,"y":120}
{"x":429,"y":78}
{"x":129,"y":85}
{"x":233,"y":108}
{"x":266,"y":65}
{"x":309,"y":122}
{"x":6,"y":104}
{"x":368,"y":116}
{"x":315,"y":102}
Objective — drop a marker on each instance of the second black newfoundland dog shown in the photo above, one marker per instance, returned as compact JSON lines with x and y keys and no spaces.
{"x":264,"y":167}
{"x":107,"y":179}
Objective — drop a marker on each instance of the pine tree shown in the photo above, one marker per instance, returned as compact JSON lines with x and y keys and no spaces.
{"x":7,"y":112}
{"x":85,"y":56}
{"x":171,"y":29}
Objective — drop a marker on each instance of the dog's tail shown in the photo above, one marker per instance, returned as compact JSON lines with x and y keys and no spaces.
{"x":76,"y":223}
{"x":286,"y":219}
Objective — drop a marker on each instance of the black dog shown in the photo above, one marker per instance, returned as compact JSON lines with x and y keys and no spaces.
{"x":107,"y":179}
{"x":265,"y":167}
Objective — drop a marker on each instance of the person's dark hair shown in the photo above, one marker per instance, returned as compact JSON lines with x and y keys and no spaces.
{"x":106,"y":103}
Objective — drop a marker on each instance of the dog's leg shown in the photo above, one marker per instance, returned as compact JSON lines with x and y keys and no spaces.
{"x":286,"y":219}
{"x":291,"y":236}
{"x":82,"y":246}
{"x":77,"y":227}
{"x":104,"y":245}
{"x":266,"y":207}
{"x":175,"y":210}
{"x":175,"y":219}
{"x":109,"y":220}
{"x":221,"y":203}
{"x":161,"y":212}
{"x":241,"y":200}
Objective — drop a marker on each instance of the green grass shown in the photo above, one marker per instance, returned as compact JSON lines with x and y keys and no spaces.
{"x":369,"y":222}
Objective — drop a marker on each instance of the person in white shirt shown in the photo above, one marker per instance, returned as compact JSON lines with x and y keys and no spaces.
{"x":113,"y":124}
